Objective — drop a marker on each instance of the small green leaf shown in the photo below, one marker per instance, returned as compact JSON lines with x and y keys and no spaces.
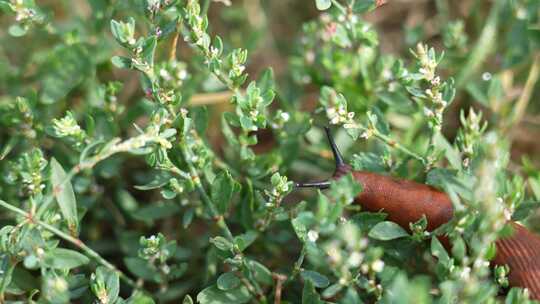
{"x":223,"y":189}
{"x":158,"y":181}
{"x":187,"y":300}
{"x":17,"y":30}
{"x":187,"y":217}
{"x":213,"y":295}
{"x":302,"y":223}
{"x":121,"y":62}
{"x":260,"y":272}
{"x":309,"y":294}
{"x":363,"y":6}
{"x":319,"y":280}
{"x":108,"y":281}
{"x":149,"y":49}
{"x":438,"y":250}
{"x":156,"y":211}
{"x":366,"y":220}
{"x":221,"y":243}
{"x":386,"y":231}
{"x":142,"y":269}
{"x":138,"y":298}
{"x":323,"y":4}
{"x":63,"y":192}
{"x":61,"y":258}
{"x":459,"y":249}
{"x":244,"y":240}
{"x":332,"y":290}
{"x":451,"y":154}
{"x":228,"y":281}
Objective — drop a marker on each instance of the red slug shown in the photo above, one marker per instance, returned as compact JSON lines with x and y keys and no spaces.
{"x":407,"y":201}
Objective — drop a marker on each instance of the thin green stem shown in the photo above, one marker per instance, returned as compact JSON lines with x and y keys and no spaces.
{"x":75,"y":241}
{"x":220,"y":221}
{"x":205,"y":7}
{"x":394,"y":144}
{"x":339,"y":6}
{"x":524,"y":99}
{"x":204,"y":196}
{"x":484,"y":46}
{"x":297,"y":265}
{"x":119,"y":147}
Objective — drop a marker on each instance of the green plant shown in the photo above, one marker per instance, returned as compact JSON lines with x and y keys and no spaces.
{"x":142,"y":162}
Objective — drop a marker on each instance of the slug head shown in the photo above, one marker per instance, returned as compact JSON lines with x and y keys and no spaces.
{"x":341,"y":167}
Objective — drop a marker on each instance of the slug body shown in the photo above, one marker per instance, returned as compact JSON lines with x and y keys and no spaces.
{"x":407,"y":201}
{"x":404,"y":201}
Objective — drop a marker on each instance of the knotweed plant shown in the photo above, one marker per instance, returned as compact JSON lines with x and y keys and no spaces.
{"x":148,"y":149}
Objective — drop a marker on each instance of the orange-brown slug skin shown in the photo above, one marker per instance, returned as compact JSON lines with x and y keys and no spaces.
{"x":404,"y":201}
{"x":521,"y":252}
{"x":407,"y":201}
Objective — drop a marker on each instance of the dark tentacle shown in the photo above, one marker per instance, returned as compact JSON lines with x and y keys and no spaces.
{"x":338,"y":158}
{"x":341,"y":166}
{"x":320,"y":185}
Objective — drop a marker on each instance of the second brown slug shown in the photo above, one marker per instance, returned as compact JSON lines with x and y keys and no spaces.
{"x":406,"y":202}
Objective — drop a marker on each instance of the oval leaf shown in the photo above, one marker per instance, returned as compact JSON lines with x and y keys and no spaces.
{"x":63,"y":192}
{"x":323,"y":4}
{"x":319,"y":280}
{"x":214,"y":295}
{"x":385,"y":231}
{"x":228,"y":281}
{"x":61,"y":258}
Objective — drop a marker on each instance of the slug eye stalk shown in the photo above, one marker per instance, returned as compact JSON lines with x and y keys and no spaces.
{"x":341,"y":166}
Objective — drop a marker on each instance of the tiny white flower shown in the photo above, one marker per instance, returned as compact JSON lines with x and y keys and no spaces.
{"x":377,"y":265}
{"x":486,"y":76}
{"x":465,"y":273}
{"x":355,"y":259}
{"x":182,"y":74}
{"x":364,"y":268}
{"x":310,"y":56}
{"x":313,"y":235}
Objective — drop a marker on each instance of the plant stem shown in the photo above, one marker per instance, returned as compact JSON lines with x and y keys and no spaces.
{"x":75,"y":241}
{"x":394,"y":144}
{"x":119,"y":146}
{"x":339,"y":6}
{"x":484,"y":46}
{"x":220,"y":221}
{"x":204,"y":196}
{"x":205,"y":7}
{"x":526,"y":94}
{"x":211,"y":98}
{"x":297,"y":265}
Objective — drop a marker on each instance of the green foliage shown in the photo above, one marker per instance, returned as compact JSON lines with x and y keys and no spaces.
{"x":148,"y":149}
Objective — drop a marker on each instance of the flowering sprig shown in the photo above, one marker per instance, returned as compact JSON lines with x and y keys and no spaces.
{"x":469,"y":134}
{"x":27,"y":14}
{"x":335,"y":106}
{"x":30,"y":168}
{"x":281,"y":186}
{"x":68,"y":129}
{"x":438,"y":94}
{"x":454,"y":36}
{"x":252,"y":105}
{"x":336,"y":111}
